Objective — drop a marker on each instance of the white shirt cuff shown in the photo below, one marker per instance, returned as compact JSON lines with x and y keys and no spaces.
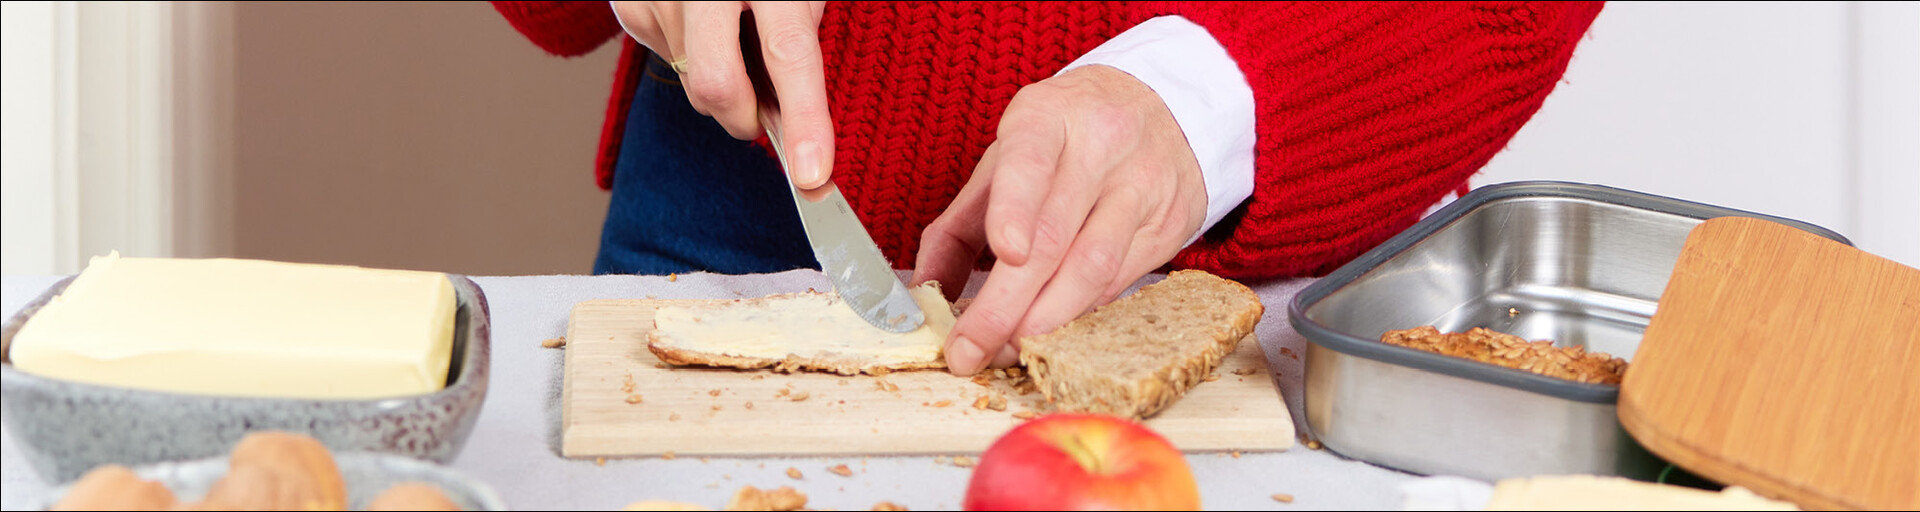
{"x":1207,"y":94}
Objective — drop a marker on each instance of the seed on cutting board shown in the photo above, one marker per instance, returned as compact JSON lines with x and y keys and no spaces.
{"x":1283,"y":498}
{"x":801,"y":396}
{"x":793,"y":473}
{"x":841,"y":470}
{"x":554,"y":342}
{"x":965,"y":462}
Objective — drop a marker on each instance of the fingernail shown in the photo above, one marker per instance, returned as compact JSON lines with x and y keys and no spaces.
{"x":963,"y":358}
{"x":1016,"y":242}
{"x":806,"y":163}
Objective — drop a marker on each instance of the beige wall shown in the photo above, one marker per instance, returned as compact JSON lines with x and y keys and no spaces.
{"x":424,"y":136}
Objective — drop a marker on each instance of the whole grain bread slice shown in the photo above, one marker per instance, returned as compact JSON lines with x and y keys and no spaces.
{"x":1139,"y":354}
{"x":809,"y":331}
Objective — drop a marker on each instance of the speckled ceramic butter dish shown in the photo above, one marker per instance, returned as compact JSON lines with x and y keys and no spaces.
{"x":65,"y":428}
{"x":366,"y":475}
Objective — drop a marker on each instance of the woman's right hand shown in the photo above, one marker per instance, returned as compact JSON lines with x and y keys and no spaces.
{"x":702,"y":39}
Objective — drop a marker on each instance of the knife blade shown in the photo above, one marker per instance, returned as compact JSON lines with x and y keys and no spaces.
{"x":846,"y":252}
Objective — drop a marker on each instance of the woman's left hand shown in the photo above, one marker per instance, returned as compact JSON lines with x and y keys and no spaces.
{"x":1089,"y":185}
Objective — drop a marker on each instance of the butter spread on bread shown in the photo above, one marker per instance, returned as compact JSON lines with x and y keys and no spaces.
{"x":810,"y":331}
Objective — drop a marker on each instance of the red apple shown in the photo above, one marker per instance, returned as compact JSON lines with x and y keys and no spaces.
{"x":1082,"y":462}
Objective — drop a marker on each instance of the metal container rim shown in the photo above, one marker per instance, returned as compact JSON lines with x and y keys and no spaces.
{"x":1349,"y":344}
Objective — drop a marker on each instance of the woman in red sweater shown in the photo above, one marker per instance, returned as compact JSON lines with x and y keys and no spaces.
{"x":1078,"y":144}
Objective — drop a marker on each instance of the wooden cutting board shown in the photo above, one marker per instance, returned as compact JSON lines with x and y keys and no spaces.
{"x":1785,"y":363}
{"x":699,"y":411}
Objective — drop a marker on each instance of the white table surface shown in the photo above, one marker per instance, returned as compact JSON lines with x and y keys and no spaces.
{"x":515,"y":446}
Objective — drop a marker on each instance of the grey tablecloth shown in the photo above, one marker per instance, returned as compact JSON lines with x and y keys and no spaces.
{"x":515,"y":447}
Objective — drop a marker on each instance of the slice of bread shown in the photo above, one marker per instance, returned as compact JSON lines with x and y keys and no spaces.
{"x":799,"y":331}
{"x":1137,"y":355}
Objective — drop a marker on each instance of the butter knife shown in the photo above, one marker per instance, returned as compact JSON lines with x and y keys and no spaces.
{"x":847,"y":254}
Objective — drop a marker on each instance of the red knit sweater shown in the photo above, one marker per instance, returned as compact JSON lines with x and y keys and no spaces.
{"x":1367,"y":113}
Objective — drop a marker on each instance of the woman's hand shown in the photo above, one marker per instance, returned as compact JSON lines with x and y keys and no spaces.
{"x":702,"y":39}
{"x":1089,"y":186}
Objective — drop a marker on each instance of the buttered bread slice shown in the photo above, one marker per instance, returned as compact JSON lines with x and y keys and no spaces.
{"x":1137,"y":355}
{"x":809,"y":331}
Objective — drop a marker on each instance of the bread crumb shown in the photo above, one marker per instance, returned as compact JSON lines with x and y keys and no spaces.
{"x":716,"y":408}
{"x":749,"y":406}
{"x":841,"y":470}
{"x":1313,"y":444}
{"x":673,"y":277}
{"x":793,"y":472}
{"x":1283,"y":498}
{"x":626,"y":385}
{"x":668,"y":456}
{"x":888,"y":506}
{"x":714,"y":392}
{"x":997,"y":402}
{"x":1513,"y":312}
{"x":999,"y":373}
{"x":554,"y":342}
{"x":879,"y":371}
{"x":801,"y":396}
{"x":982,"y":380}
{"x":1015,"y":372}
{"x":782,"y":393}
{"x":673,"y":417}
{"x":633,"y":399}
{"x":980,"y":403}
{"x":943,"y":403}
{"x":782,"y":499}
{"x":965,"y":462}
{"x":599,"y":461}
{"x":1235,"y":453}
{"x":1025,"y":415}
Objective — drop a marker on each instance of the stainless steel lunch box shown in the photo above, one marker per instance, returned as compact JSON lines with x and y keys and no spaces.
{"x":1582,"y":265}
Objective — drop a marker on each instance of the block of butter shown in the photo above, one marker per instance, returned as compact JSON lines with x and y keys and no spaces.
{"x":1587,"y":492}
{"x":245,"y":328}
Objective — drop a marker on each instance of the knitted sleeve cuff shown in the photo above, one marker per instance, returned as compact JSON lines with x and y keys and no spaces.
{"x":1209,"y":97}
